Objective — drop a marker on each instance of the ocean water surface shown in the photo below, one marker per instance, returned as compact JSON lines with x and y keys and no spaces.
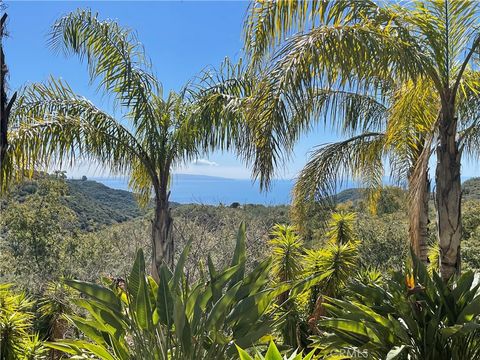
{"x":216,"y":190}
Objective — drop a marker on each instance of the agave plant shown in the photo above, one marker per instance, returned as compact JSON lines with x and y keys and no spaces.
{"x":273,"y":354}
{"x":416,"y":316}
{"x":173,"y":319}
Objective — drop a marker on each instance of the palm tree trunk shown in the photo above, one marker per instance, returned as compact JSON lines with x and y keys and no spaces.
{"x":3,"y":102}
{"x":162,"y":237}
{"x":448,"y":194}
{"x":418,"y":221}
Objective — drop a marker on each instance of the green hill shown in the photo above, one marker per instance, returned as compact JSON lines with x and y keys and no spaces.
{"x":471,"y":189}
{"x":97,"y":204}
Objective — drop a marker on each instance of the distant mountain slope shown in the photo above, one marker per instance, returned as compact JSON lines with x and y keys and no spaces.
{"x":97,"y":204}
{"x":471,"y":189}
{"x":353,"y":194}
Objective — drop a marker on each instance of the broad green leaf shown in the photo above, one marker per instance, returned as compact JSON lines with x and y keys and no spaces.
{"x":137,"y":273}
{"x":239,"y":255}
{"x":143,"y":308}
{"x":273,"y":353}
{"x":179,"y":268}
{"x":97,"y":292}
{"x":470,"y":311}
{"x":221,"y":309}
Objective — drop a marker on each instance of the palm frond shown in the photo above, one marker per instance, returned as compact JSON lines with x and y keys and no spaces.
{"x":242,"y":112}
{"x":412,"y":116}
{"x":270,"y":22}
{"x":221,"y":100}
{"x":114,"y":56}
{"x":54,"y":124}
{"x":446,"y":28}
{"x":359,"y":157}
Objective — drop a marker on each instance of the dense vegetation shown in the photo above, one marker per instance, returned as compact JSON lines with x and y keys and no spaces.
{"x":62,"y":247}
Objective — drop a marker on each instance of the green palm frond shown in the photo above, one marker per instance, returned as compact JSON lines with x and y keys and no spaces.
{"x":359,"y":157}
{"x":114,"y":56}
{"x":412,"y":118}
{"x":469,"y":113}
{"x":244,"y":113}
{"x":270,"y":22}
{"x":55,"y":124}
{"x":446,"y":28}
{"x":222,"y":96}
{"x":306,"y":80}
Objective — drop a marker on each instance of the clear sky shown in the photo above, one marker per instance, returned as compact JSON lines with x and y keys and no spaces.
{"x":181,"y":38}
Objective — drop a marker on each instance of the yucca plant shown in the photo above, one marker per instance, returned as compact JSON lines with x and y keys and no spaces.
{"x":415,"y":316}
{"x":287,"y":253}
{"x":273,"y":354}
{"x":173,"y":319}
{"x":17,"y":341}
{"x":339,"y":261}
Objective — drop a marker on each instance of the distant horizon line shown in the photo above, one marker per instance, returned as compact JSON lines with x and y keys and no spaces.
{"x":125,"y":177}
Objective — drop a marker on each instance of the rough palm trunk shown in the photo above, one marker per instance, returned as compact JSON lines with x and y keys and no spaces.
{"x":3,"y":102}
{"x":418,"y":221}
{"x":162,"y":237}
{"x":448,"y":194}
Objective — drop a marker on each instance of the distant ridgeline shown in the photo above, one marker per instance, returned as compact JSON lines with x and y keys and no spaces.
{"x":97,"y":205}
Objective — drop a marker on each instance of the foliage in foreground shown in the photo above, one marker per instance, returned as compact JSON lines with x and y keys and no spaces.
{"x":273,"y":354}
{"x":415,"y":316}
{"x":174,"y":319}
{"x":17,"y":341}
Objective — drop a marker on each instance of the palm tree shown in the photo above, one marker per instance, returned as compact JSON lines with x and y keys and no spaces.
{"x":52,"y":123}
{"x":229,"y":94}
{"x":407,"y":115}
{"x":358,"y":45}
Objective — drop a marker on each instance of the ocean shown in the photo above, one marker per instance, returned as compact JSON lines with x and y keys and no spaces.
{"x":216,"y":190}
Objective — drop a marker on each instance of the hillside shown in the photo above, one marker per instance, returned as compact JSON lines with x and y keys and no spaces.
{"x":471,"y":189}
{"x":97,"y":204}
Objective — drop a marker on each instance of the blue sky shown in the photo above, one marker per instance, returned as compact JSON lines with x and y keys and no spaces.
{"x":180,"y":37}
